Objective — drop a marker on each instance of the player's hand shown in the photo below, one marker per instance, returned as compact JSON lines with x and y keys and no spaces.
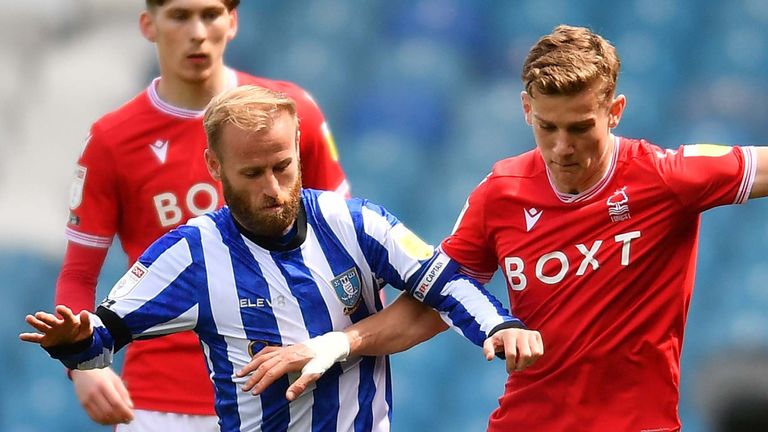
{"x":271,"y":363}
{"x":68,"y":329}
{"x":520,"y":347}
{"x":103,"y":396}
{"x":312,"y":358}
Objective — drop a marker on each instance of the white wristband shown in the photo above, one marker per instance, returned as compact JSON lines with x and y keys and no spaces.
{"x":328,"y":348}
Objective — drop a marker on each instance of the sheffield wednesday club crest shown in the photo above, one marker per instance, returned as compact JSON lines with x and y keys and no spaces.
{"x":348,"y":289}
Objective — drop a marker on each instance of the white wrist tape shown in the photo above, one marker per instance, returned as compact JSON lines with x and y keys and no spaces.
{"x":328,"y":348}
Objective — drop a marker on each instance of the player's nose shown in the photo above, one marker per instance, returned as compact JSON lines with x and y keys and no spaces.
{"x":271,"y":186}
{"x":197,"y":29}
{"x":562,"y":146}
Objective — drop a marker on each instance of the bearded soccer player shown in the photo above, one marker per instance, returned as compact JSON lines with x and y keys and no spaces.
{"x":596,"y":235}
{"x":142,"y":173}
{"x":278,"y":264}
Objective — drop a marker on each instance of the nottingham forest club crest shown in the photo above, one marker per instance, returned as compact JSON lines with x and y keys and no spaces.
{"x":348,"y":289}
{"x":618,"y":207}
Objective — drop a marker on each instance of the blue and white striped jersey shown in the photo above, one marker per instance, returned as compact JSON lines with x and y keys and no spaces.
{"x":240,"y":293}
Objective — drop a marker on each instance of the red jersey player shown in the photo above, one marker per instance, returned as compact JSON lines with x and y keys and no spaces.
{"x":597,"y":237}
{"x":142,"y":172}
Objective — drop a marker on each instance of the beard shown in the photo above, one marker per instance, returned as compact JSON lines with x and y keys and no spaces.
{"x":254,"y":217}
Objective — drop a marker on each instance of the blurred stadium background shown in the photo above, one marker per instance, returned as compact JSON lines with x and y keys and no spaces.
{"x":422,"y":96}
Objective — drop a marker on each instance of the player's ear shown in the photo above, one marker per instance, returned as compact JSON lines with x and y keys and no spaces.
{"x":616,"y":110}
{"x":213,"y":164}
{"x":147,"y":26}
{"x":525,"y":99}
{"x":232,"y":24}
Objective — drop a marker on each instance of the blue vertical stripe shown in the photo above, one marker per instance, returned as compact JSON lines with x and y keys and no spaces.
{"x":336,"y":255}
{"x":389,"y":389}
{"x":226,"y":390}
{"x":365,"y":393}
{"x":317,"y":320}
{"x":340,"y":261}
{"x":259,"y":322}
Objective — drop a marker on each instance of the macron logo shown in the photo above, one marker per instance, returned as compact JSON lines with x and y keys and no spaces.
{"x":531,"y":217}
{"x":160,"y":149}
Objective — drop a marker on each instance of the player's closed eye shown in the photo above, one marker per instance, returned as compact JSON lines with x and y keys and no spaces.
{"x":212,"y":14}
{"x":178,"y":15}
{"x":547,"y":127}
{"x":579,"y":129}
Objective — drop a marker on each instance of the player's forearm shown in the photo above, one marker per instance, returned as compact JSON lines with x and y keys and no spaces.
{"x":760,"y":187}
{"x":76,"y":285}
{"x":398,"y":327}
{"x":463,"y":301}
{"x":96,"y":351}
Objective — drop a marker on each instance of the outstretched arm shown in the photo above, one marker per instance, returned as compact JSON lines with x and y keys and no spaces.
{"x":54,"y":331}
{"x":401,"y":325}
{"x":384,"y":332}
{"x":380,"y":334}
{"x":760,"y":187}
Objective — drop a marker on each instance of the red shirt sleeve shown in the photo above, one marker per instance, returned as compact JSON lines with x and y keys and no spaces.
{"x":94,"y":205}
{"x":92,"y":225}
{"x":76,"y":285}
{"x":320,"y":167}
{"x":468,"y":244}
{"x":703,"y":176}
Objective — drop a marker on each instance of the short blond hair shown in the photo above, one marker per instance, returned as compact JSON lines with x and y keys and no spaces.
{"x":569,"y":60}
{"x":250,"y":108}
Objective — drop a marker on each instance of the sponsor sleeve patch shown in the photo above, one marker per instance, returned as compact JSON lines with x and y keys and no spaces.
{"x":409,"y":242}
{"x":129,"y":281}
{"x":76,"y":190}
{"x":707,"y":150}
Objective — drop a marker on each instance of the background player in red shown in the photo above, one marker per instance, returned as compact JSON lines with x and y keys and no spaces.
{"x":596,"y":236}
{"x":142,"y":172}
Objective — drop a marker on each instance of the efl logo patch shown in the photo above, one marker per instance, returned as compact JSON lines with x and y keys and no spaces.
{"x":76,"y":190}
{"x":348,"y":289}
{"x":411,"y":244}
{"x":128,"y":282}
{"x":708,"y":150}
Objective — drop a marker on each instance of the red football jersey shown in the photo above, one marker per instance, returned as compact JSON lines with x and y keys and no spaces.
{"x":143,"y":173}
{"x":606,"y":276}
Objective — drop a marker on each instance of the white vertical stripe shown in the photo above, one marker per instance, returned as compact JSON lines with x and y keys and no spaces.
{"x":343,"y":188}
{"x":225,"y":309}
{"x":290,"y":324}
{"x":750,"y":171}
{"x":349,"y":383}
{"x":477,"y":305}
{"x":301,"y":412}
{"x":334,"y":208}
{"x":322,"y":274}
{"x":287,"y":313}
{"x":378,"y":227}
{"x":380,"y":406}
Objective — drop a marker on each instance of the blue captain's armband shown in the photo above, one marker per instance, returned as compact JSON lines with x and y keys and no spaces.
{"x":435,"y":274}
